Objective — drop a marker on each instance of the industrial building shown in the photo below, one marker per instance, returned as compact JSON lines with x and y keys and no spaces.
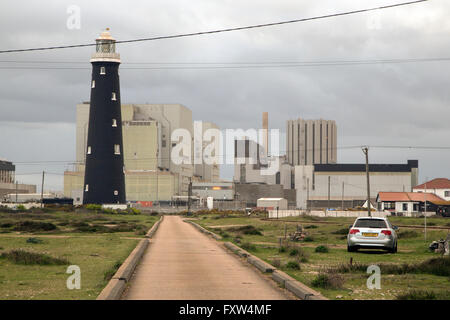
{"x":311,"y":142}
{"x":216,"y":190}
{"x":412,"y":203}
{"x":147,"y":149}
{"x":329,"y":185}
{"x":8,"y":184}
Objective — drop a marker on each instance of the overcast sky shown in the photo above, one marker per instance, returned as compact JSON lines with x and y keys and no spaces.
{"x":379,"y":104}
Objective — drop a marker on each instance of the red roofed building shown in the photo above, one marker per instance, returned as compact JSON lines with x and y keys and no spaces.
{"x":412,"y":203}
{"x":438,"y":186}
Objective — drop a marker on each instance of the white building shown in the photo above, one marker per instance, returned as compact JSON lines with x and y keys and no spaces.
{"x":438,"y":186}
{"x":337,"y":182}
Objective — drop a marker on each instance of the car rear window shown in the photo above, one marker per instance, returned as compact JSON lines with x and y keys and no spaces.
{"x":370,"y":223}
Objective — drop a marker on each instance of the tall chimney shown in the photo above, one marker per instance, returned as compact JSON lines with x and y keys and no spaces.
{"x":265,"y":125}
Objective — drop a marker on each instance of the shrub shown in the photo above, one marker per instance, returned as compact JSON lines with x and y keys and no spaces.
{"x":341,"y":231}
{"x":282,"y":249}
{"x":417,"y":295}
{"x":34,"y":240}
{"x":322,"y":249}
{"x":308,"y":239}
{"x":276,"y":263}
{"x":294,"y":265}
{"x":95,"y":207}
{"x":249,"y":230}
{"x":248,"y":246}
{"x":30,"y":258}
{"x":407,"y":234}
{"x":294,"y":252}
{"x":312,"y":226}
{"x":328,"y":281}
{"x":32,"y":226}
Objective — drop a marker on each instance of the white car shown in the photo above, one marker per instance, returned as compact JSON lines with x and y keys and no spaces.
{"x":372,"y":233}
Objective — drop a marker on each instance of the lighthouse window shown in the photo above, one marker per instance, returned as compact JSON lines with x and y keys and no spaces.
{"x":116,"y":149}
{"x":113,"y":98}
{"x":89,"y":150}
{"x":102,"y":70}
{"x":114,"y":122}
{"x":93,"y":84}
{"x":116,"y":193}
{"x":87,"y":188}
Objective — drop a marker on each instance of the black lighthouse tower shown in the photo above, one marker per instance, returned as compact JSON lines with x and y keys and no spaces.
{"x":104,"y":179}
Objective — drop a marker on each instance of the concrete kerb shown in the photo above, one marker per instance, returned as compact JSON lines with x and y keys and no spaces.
{"x":113,"y":291}
{"x":116,"y":286}
{"x":153,"y":229}
{"x":296,"y":287}
{"x":203,"y":230}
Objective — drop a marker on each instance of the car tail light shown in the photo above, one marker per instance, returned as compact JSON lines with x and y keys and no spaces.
{"x":386,"y":232}
{"x":353,"y":231}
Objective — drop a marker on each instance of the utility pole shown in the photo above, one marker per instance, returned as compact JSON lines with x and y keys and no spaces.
{"x":425,"y":210}
{"x":307,"y":195}
{"x":342,"y":195}
{"x":329,"y":189}
{"x":189,"y":196}
{"x":42,"y":189}
{"x":366,"y":152}
{"x":16,"y":190}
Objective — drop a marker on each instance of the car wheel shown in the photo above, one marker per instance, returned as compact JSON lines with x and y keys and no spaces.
{"x":393,"y":249}
{"x":351,"y":248}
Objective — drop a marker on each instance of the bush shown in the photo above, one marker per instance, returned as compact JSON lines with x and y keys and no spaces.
{"x":294,"y":265}
{"x":248,"y":246}
{"x":34,"y":240}
{"x":322,"y":249}
{"x":417,"y":295}
{"x":282,"y":249}
{"x":32,"y":226}
{"x":407,"y":234}
{"x":308,"y":239}
{"x":341,"y":231}
{"x":312,"y":226}
{"x":96,"y":207}
{"x":249,"y":230}
{"x":276,"y":263}
{"x":328,"y":281}
{"x":294,"y":252}
{"x":30,"y":258}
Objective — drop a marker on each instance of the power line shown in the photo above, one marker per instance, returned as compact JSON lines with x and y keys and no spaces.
{"x":226,"y":65}
{"x":218,"y":31}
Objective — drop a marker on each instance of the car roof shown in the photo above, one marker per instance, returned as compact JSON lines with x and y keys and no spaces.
{"x":373,"y":218}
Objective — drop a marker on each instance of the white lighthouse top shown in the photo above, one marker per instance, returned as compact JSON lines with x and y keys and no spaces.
{"x":105,"y":48}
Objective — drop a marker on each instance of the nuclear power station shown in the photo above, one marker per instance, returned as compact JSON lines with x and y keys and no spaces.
{"x":104,"y":180}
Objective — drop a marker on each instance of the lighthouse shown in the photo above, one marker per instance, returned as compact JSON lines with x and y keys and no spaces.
{"x":104,"y":179}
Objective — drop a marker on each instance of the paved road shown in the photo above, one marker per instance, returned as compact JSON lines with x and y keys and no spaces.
{"x":182,"y":263}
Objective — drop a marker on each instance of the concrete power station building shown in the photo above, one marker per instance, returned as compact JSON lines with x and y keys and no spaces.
{"x":8,"y":184}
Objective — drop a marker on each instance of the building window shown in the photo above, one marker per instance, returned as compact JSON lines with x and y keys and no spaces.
{"x":113,"y":98}
{"x":116,"y":149}
{"x":93,"y":84}
{"x":405,"y":207}
{"x":114,"y":122}
{"x":102,"y":70}
{"x":447,"y":194}
{"x":86,"y":188}
{"x":116,"y":193}
{"x":89,"y":150}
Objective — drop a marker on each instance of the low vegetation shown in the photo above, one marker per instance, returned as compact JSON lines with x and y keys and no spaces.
{"x":31,"y":258}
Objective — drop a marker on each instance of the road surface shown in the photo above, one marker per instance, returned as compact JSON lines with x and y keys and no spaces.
{"x":182,"y":263}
